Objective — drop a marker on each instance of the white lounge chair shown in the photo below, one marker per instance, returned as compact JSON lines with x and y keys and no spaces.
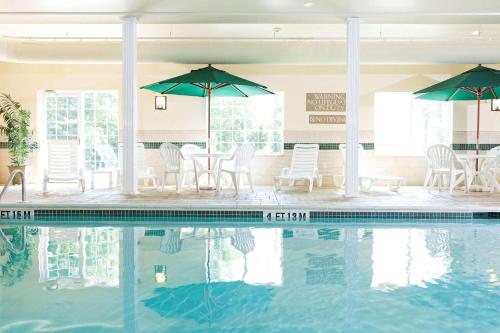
{"x":367,"y":177}
{"x":63,"y":164}
{"x":445,"y":168}
{"x":145,"y":173}
{"x":239,"y":163}
{"x":304,"y":167}
{"x":177,"y":164}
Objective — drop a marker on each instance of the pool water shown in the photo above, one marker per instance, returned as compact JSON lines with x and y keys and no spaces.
{"x":366,"y":278}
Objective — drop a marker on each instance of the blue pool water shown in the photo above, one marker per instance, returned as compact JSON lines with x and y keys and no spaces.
{"x":366,"y":278}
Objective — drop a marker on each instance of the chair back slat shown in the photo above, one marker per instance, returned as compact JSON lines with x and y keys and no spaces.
{"x":304,"y":159}
{"x":243,"y":157}
{"x":171,"y":156}
{"x":440,"y":157}
{"x":63,"y":158}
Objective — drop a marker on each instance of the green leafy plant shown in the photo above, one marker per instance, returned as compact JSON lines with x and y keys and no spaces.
{"x":16,"y":128}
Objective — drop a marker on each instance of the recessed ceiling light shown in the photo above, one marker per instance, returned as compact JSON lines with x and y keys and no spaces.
{"x":308,"y":4}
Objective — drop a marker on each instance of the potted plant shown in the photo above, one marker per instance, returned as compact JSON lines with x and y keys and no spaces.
{"x":16,"y":128}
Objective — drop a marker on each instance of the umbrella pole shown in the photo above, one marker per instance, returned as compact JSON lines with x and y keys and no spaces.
{"x":477,"y":129}
{"x":208,"y":143}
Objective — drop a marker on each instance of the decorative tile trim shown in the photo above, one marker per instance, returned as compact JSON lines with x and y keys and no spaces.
{"x":6,"y":145}
{"x":287,"y":145}
{"x":472,"y":146}
{"x":322,"y":146}
{"x":156,"y":145}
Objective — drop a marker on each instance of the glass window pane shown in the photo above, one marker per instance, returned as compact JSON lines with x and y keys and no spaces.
{"x":257,"y":120}
{"x":51,"y":131}
{"x":51,"y":114}
{"x":73,"y":129}
{"x":62,"y":115}
{"x":62,"y":130}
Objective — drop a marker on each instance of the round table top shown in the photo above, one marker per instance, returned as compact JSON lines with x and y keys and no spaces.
{"x":475,"y":156}
{"x":207,"y":155}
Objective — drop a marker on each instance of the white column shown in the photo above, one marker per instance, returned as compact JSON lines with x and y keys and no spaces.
{"x":129,"y":103}
{"x":353,"y":60}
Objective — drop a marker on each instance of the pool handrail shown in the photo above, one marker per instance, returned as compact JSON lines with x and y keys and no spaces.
{"x":9,"y":182}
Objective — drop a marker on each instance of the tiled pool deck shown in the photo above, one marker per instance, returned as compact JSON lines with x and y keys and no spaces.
{"x":413,"y":199}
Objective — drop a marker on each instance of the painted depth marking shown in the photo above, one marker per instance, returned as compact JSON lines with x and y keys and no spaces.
{"x":285,"y":216}
{"x":22,"y":214}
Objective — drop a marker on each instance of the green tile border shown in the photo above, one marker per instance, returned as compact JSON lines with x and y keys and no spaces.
{"x":322,"y":146}
{"x":156,"y":145}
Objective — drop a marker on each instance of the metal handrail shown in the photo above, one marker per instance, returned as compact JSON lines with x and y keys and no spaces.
{"x":9,"y":182}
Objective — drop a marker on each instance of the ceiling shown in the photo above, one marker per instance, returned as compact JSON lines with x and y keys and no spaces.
{"x":258,"y":31}
{"x":255,"y":11}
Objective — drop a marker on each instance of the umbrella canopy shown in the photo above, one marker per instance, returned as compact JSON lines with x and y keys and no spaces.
{"x":476,"y":84}
{"x":207,"y":81}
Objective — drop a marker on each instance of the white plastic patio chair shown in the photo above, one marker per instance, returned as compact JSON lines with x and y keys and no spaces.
{"x":367,"y":176}
{"x":177,"y":164}
{"x":189,"y":149}
{"x":445,"y":168}
{"x":63,"y":164}
{"x":239,"y":163}
{"x":304,"y":167}
{"x":145,"y":173}
{"x":490,"y":169}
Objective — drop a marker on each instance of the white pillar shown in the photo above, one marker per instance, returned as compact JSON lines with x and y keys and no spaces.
{"x":353,"y":60}
{"x":129,"y":103}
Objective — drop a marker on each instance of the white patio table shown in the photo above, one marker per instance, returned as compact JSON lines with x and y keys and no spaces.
{"x":477,"y":183}
{"x":212,"y":171}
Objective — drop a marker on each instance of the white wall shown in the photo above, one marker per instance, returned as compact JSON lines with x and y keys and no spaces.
{"x":185,"y":119}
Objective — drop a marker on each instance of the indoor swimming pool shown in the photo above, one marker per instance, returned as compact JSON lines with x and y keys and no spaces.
{"x":367,"y":277}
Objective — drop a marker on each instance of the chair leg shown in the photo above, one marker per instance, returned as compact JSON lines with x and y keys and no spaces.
{"x":82,"y":184}
{"x":196,"y":177}
{"x":164,"y":181}
{"x":45,"y":182}
{"x":179,"y":180}
{"x":277,"y":184}
{"x":249,"y":176}
{"x":428,"y":176}
{"x":452,"y":178}
{"x":219,"y":176}
{"x":235,"y":182}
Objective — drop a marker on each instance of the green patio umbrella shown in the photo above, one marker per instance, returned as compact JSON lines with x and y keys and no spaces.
{"x":206,"y":82}
{"x":475,"y":84}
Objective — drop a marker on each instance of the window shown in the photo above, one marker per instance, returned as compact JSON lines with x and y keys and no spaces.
{"x":257,"y":120}
{"x":62,"y":117}
{"x":101,"y":130}
{"x":405,"y":126}
{"x":90,"y":116}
